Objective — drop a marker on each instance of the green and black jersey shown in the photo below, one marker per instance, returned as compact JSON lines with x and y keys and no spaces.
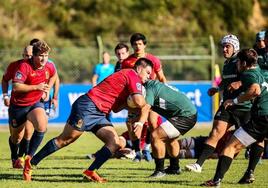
{"x":260,"y":103}
{"x":230,"y":74}
{"x":168,"y":101}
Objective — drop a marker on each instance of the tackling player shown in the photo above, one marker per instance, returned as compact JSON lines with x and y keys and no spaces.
{"x":89,"y":113}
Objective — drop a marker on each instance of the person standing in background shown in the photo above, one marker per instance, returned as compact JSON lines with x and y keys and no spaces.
{"x":121,"y":51}
{"x":102,"y":70}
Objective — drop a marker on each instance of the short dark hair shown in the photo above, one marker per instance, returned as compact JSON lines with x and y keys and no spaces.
{"x":249,"y":56}
{"x":40,"y":47}
{"x":120,"y":46}
{"x":137,"y":36}
{"x":34,"y":40}
{"x":143,"y":62}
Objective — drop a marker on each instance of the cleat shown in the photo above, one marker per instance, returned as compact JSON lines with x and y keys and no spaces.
{"x":174,"y":171}
{"x":90,"y":156}
{"x":247,"y":178}
{"x":18,"y":163}
{"x":93,"y":176}
{"x":137,"y":157}
{"x":194,"y":168}
{"x":27,"y":170}
{"x":147,"y":155}
{"x":211,"y":183}
{"x":157,"y":174}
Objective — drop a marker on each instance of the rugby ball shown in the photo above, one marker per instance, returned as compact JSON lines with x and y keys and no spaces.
{"x":130,"y":102}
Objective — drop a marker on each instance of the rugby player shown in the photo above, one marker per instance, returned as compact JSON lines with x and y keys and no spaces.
{"x":89,"y":113}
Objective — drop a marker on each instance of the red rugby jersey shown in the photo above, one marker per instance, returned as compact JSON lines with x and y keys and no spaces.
{"x":11,"y":70}
{"x":26,"y":74}
{"x":131,"y":60}
{"x":112,"y":92}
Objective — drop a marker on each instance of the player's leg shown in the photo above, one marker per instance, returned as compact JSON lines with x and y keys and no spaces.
{"x":68,"y":136}
{"x":173,"y":149}
{"x":108,"y":135}
{"x":39,"y":120}
{"x":25,"y":143}
{"x":16,"y":135}
{"x":217,"y":132}
{"x":158,"y":147}
{"x":239,"y":140}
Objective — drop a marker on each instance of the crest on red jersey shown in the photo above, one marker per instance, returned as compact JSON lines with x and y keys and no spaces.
{"x":138,"y":85}
{"x":18,"y":75}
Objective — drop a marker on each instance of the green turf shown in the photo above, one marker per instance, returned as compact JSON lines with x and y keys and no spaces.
{"x":64,"y":168}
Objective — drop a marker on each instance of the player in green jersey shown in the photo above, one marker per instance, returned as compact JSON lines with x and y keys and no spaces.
{"x":255,"y":89}
{"x":181,"y":116}
{"x":225,"y":118}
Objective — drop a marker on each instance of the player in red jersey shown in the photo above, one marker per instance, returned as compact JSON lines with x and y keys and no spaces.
{"x":29,"y":84}
{"x":89,"y":113}
{"x":17,"y":160}
{"x":138,"y":42}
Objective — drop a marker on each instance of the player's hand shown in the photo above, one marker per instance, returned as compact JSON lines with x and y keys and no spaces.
{"x":7,"y":102}
{"x":55,"y":103}
{"x":212,"y":91}
{"x":137,"y":128}
{"x":228,"y":102}
{"x":43,"y":87}
{"x":234,"y":86}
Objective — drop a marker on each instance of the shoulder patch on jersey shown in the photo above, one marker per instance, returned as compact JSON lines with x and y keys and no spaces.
{"x":139,"y":86}
{"x":18,"y":75}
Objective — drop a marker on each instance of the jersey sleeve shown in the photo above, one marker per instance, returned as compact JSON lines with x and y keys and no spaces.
{"x":134,"y":86}
{"x":21,"y":74}
{"x":8,"y":75}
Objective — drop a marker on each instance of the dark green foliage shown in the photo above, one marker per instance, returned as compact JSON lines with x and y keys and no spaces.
{"x":78,"y":22}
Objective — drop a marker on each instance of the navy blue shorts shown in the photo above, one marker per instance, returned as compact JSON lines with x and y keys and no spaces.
{"x":85,"y":116}
{"x":18,"y":114}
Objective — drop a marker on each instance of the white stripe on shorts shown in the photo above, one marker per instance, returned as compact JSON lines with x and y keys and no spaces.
{"x":170,"y":130}
{"x":244,"y":137}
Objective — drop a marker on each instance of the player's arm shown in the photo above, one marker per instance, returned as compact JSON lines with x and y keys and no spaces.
{"x":24,"y":88}
{"x":137,"y":127}
{"x":153,"y":118}
{"x":5,"y":91}
{"x":56,"y":91}
{"x":94,"y":80}
{"x":252,"y":92}
{"x":161,"y":77}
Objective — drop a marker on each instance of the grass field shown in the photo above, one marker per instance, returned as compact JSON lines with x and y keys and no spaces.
{"x":64,"y":168}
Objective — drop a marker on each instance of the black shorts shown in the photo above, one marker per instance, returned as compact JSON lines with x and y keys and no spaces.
{"x":232,"y":116}
{"x":18,"y":114}
{"x":183,"y":124}
{"x":257,"y":127}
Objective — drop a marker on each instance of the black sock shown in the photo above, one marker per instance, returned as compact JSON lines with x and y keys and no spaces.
{"x":101,"y":157}
{"x":49,"y":148}
{"x":136,"y":145}
{"x":159,"y":164}
{"x":148,"y":137}
{"x":14,"y":149}
{"x":254,"y":156}
{"x":35,"y":142}
{"x":24,"y":147}
{"x":223,"y":165}
{"x":174,"y":163}
{"x":207,"y":151}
